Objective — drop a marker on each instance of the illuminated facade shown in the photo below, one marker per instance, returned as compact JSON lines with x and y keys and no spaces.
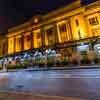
{"x":61,"y":29}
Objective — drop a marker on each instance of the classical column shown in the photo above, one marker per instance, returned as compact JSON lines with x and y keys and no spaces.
{"x":22,"y":42}
{"x":4,"y":46}
{"x":14,"y":44}
{"x":31,"y":38}
{"x":7,"y":45}
{"x":55,"y":34}
{"x":42,"y":36}
{"x":70,"y":30}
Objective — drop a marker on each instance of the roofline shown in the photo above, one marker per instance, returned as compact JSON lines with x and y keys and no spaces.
{"x":75,"y":4}
{"x":67,"y":8}
{"x":49,"y":15}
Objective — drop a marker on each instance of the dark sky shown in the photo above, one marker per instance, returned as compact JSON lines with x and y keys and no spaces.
{"x":13,"y":12}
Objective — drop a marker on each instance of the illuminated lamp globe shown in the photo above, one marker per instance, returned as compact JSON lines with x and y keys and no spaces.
{"x":36,"y":20}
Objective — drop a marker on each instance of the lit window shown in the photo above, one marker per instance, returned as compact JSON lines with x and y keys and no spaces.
{"x":50,"y":36}
{"x":27,"y":42}
{"x":18,"y":43}
{"x":62,"y":28}
{"x":50,"y":31}
{"x":63,"y":32}
{"x":93,"y":21}
{"x":38,"y":36}
{"x":10,"y":41}
{"x":19,"y":40}
{"x":28,"y":38}
{"x":37,"y":39}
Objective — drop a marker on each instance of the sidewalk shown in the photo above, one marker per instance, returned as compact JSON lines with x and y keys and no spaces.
{"x":36,"y":68}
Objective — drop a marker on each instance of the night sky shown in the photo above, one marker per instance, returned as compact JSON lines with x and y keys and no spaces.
{"x":14,"y":12}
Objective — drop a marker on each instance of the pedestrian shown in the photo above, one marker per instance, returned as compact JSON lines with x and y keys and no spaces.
{"x":2,"y":63}
{"x":5,"y":65}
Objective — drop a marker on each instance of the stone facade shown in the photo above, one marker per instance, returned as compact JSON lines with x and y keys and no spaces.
{"x":71,"y":25}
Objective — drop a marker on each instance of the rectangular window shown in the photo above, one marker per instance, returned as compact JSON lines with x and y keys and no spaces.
{"x":62,"y":28}
{"x":28,"y":37}
{"x":77,"y":23}
{"x":63,"y":32}
{"x":50,"y":36}
{"x":27,"y":41}
{"x":18,"y":43}
{"x":50,"y":31}
{"x":37,"y":38}
{"x":11,"y":45}
{"x":79,"y":34}
{"x":93,"y":21}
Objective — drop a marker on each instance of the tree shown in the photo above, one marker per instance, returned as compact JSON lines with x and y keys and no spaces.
{"x":93,"y":42}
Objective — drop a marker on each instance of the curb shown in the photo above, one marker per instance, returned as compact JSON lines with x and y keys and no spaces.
{"x":57,"y":68}
{"x":65,"y":68}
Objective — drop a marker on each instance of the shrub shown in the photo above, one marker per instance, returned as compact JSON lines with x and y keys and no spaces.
{"x":85,"y":60}
{"x":10,"y":66}
{"x":1,"y":66}
{"x":26,"y":63}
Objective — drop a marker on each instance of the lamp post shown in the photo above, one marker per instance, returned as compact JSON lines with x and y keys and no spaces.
{"x":46,"y":58}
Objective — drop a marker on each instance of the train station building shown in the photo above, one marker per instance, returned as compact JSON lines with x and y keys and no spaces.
{"x":70,"y":28}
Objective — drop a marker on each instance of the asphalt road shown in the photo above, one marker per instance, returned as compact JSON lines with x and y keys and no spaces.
{"x":77,"y":83}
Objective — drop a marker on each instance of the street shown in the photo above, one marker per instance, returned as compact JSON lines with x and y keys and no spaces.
{"x":76,"y":83}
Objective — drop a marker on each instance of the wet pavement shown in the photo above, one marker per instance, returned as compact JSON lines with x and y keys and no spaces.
{"x":77,"y":83}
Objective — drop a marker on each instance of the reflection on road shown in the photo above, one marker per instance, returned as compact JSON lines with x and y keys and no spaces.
{"x":84,"y":83}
